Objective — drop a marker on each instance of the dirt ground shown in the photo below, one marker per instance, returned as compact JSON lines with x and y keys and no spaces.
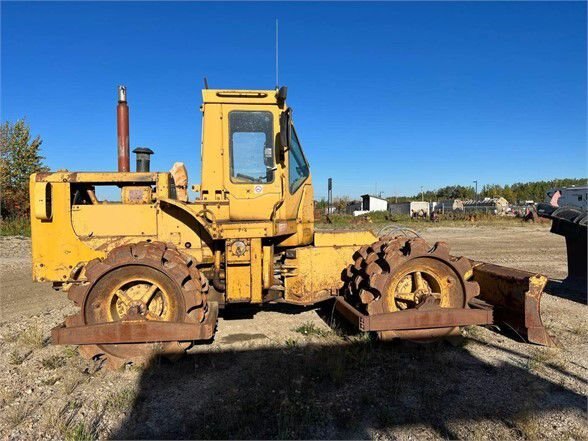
{"x":287,"y":374}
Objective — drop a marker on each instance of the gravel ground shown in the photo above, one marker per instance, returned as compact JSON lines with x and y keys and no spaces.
{"x":286,"y":374}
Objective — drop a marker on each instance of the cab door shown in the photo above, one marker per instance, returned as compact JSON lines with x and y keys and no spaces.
{"x":298,"y":180}
{"x":254,"y":184}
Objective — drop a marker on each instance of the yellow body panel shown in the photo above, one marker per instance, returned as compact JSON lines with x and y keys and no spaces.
{"x":114,"y":220}
{"x":56,"y":249}
{"x":343,"y":238}
{"x":315,"y":273}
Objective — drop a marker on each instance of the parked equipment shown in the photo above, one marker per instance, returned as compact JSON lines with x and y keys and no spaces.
{"x":568,"y":211}
{"x":150,"y":272}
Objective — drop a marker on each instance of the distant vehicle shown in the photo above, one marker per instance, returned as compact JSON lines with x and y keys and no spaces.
{"x":568,"y":210}
{"x":568,"y":197}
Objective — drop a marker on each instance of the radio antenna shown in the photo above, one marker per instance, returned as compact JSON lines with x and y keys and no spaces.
{"x":277,"y":79}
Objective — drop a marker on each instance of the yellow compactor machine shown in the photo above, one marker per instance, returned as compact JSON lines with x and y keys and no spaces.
{"x":150,"y":271}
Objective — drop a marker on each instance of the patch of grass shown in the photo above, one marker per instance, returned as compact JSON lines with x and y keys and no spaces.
{"x":17,"y":226}
{"x":53,"y":362}
{"x":7,"y":396}
{"x":17,"y":357}
{"x":17,"y":414}
{"x":580,"y":328}
{"x":11,"y":337}
{"x":32,"y":337}
{"x":363,"y":337}
{"x":473,"y":332}
{"x":71,"y":382}
{"x":291,"y":343}
{"x":121,"y":401}
{"x":310,"y":329}
{"x":80,"y":431}
{"x":539,"y":358}
{"x":70,"y":351}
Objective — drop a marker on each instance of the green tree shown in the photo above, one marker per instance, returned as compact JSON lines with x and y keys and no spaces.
{"x":19,"y":158}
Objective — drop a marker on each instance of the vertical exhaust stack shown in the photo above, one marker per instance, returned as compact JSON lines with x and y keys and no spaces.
{"x":143,"y":155}
{"x":122,"y":128}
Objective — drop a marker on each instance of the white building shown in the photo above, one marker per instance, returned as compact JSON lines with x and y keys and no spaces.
{"x":371,"y":203}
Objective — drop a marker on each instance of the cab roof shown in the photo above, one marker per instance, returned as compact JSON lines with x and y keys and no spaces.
{"x":239,"y":96}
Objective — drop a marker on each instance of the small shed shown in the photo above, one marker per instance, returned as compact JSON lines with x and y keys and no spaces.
{"x":371,"y":203}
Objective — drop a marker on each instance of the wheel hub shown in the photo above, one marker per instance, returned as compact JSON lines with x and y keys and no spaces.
{"x":138,"y":297}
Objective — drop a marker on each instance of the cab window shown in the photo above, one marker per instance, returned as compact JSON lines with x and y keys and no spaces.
{"x":251,"y":147}
{"x":299,"y":170}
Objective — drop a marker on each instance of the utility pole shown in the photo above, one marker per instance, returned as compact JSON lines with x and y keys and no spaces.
{"x":476,"y":195}
{"x":330,"y":195}
{"x":422,"y":194}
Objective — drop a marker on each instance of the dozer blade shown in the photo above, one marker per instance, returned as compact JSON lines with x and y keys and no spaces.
{"x":136,"y":331}
{"x":516,"y":298}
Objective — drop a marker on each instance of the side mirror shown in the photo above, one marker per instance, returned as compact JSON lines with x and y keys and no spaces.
{"x":285,"y":129}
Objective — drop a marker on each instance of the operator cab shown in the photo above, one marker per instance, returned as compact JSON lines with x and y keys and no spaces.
{"x":252,"y":158}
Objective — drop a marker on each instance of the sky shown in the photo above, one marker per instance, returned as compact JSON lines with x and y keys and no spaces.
{"x":388,"y":97}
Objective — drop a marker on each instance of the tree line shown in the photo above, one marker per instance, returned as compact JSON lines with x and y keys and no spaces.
{"x":19,"y":158}
{"x":519,"y":192}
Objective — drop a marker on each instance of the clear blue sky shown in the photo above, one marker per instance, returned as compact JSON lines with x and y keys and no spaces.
{"x":386,"y":95}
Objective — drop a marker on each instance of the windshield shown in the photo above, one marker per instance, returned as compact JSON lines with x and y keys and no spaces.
{"x":299,"y":170}
{"x":251,"y":144}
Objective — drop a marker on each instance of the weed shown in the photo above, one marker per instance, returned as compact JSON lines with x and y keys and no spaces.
{"x":70,"y":383}
{"x":538,"y":359}
{"x":6,"y":396}
{"x":291,"y":343}
{"x":11,"y":337}
{"x":70,"y":351}
{"x":310,"y":329}
{"x":80,"y":431}
{"x":16,"y":357}
{"x":53,"y":362}
{"x":363,"y":337}
{"x":32,"y":337}
{"x":121,"y":401}
{"x":17,"y":414}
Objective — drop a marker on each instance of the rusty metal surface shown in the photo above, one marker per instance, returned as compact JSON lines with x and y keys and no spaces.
{"x":516,"y":298}
{"x":400,"y":274}
{"x":414,"y":319}
{"x":137,"y":331}
{"x":122,"y":129}
{"x":95,"y":299}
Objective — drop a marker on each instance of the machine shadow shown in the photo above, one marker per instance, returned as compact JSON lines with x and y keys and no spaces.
{"x":334,"y":391}
{"x":570,"y":289}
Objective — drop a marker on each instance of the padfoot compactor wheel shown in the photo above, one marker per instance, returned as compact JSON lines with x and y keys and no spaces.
{"x":145,"y":281}
{"x":397,"y":274}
